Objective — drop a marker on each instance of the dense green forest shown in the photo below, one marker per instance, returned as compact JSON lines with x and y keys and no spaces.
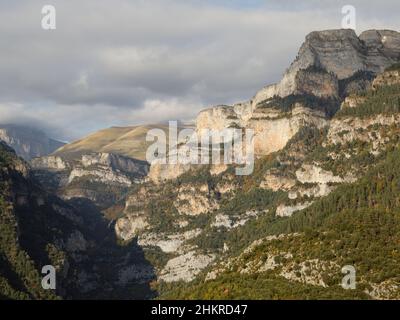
{"x":19,"y":276}
{"x":383,"y":100}
{"x":357,"y":224}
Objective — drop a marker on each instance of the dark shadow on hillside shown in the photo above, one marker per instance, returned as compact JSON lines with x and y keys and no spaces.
{"x":125,"y":272}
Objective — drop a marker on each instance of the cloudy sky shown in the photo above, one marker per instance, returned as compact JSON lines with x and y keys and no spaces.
{"x":126,"y":62}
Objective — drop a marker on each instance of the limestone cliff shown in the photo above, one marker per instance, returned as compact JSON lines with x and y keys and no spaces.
{"x":329,"y":63}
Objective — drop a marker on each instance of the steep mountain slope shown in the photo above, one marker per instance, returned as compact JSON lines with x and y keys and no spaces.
{"x":330,"y":65}
{"x":323,"y":194}
{"x":39,"y":229}
{"x":356,"y":225}
{"x":103,"y":178}
{"x":28,"y":142}
{"x":327,"y":193}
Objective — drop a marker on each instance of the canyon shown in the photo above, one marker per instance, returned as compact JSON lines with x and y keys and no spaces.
{"x":324,"y":138}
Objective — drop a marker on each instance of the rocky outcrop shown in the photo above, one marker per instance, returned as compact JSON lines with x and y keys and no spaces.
{"x":97,"y":167}
{"x":275,"y":182}
{"x":287,"y":211}
{"x":314,"y":174}
{"x":160,"y":172}
{"x":192,"y":202}
{"x":50,"y":163}
{"x":100,"y":175}
{"x":350,"y":129}
{"x":330,"y":65}
{"x":338,"y":52}
{"x":185,"y":267}
{"x":325,"y":59}
{"x":352,"y":102}
{"x":116,"y":162}
{"x":272,"y":128}
{"x":172,"y":243}
{"x":129,"y":226}
{"x":234,"y":221}
{"x":317,"y":191}
{"x":383,"y":48}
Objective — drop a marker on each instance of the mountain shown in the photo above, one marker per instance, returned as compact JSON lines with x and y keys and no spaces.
{"x":324,"y":194}
{"x":100,"y":167}
{"x":330,"y":66}
{"x":103,"y":178}
{"x":125,"y":141}
{"x":39,"y":229}
{"x":328,"y":199}
{"x":28,"y":142}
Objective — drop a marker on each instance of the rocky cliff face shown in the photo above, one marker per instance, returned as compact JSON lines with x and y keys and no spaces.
{"x":325,"y":60}
{"x":27,"y":142}
{"x":324,"y":188}
{"x":340,"y":53}
{"x":102,"y":167}
{"x":39,"y":229}
{"x":330,"y":65}
{"x":99,"y":177}
{"x":317,"y":151}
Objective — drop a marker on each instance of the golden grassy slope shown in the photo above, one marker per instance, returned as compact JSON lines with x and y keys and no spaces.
{"x":126,"y":141}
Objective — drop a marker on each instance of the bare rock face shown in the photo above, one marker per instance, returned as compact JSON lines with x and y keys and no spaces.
{"x":314,"y":174}
{"x":383,"y":47}
{"x":218,"y":118}
{"x":271,"y":135}
{"x":160,"y":172}
{"x":50,"y":163}
{"x":324,"y":60}
{"x":99,"y":167}
{"x":330,"y":65}
{"x":168,"y":243}
{"x":128,"y":227}
{"x":287,"y":211}
{"x":185,"y":267}
{"x":114,"y":161}
{"x":276,"y":182}
{"x":192,"y":201}
{"x":340,"y":53}
{"x":103,"y":175}
{"x":272,"y":128}
{"x":317,"y":191}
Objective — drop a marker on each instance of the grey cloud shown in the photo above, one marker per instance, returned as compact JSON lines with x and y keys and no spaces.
{"x":124,"y":62}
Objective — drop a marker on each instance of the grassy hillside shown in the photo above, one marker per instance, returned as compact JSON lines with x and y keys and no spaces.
{"x":126,"y":141}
